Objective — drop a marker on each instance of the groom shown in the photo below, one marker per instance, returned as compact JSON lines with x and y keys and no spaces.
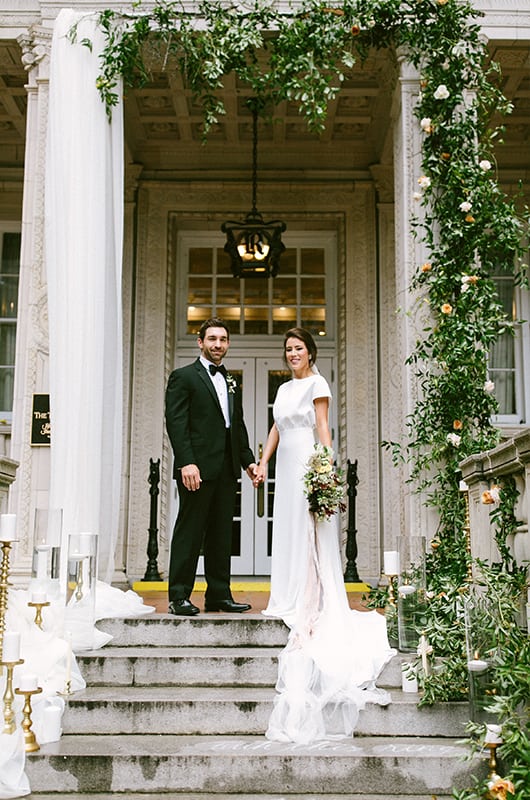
{"x":204,"y":420}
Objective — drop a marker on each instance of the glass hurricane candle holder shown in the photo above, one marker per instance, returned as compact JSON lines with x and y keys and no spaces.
{"x":479,"y":613}
{"x":411,"y":588}
{"x":81,"y":583}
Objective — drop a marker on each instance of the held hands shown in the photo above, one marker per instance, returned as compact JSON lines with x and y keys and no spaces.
{"x":260,"y":475}
{"x":251,"y":471}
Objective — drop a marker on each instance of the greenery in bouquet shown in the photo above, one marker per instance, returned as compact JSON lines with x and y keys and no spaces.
{"x":323,"y":484}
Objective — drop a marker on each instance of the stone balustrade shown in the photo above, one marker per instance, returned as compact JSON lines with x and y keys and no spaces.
{"x":484,"y":470}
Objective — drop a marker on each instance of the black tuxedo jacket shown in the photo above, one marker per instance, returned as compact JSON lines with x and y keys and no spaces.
{"x":196,"y":425}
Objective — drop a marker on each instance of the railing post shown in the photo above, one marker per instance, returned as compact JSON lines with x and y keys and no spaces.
{"x":152,"y":573}
{"x":350,"y":573}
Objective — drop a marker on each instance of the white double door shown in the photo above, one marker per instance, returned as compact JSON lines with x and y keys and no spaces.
{"x":259,"y":378}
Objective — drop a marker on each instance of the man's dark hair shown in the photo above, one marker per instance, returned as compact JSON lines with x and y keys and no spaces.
{"x":214,"y":322}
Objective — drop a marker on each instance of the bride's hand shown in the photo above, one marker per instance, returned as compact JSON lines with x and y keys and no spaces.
{"x":259,"y":476}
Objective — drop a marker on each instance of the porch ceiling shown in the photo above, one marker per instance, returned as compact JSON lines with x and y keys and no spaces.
{"x":164,"y":124}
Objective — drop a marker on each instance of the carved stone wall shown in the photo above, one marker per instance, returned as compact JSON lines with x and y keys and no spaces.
{"x":30,"y":489}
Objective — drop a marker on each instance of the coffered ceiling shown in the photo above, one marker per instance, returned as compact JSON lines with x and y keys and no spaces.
{"x":164,"y":125}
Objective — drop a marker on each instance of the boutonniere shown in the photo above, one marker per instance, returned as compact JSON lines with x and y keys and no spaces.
{"x":231,"y":383}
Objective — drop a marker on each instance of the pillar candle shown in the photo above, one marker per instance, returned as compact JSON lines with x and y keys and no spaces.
{"x":38,"y":597}
{"x":409,"y":682}
{"x":11,"y":646}
{"x":51,"y":719}
{"x":8,"y":527}
{"x":28,"y":682}
{"x":391,"y":562}
{"x":493,"y":734}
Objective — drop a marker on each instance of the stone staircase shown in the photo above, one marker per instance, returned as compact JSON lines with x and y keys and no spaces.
{"x":178,"y":706}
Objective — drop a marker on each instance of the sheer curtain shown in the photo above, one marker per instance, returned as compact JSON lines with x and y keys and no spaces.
{"x":83,"y":224}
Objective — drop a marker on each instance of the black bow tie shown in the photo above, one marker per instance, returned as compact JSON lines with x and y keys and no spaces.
{"x":213,"y":369}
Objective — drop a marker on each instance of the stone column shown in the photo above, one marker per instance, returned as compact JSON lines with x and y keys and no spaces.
{"x":132,"y":174}
{"x":416,"y":519}
{"x":30,"y":490}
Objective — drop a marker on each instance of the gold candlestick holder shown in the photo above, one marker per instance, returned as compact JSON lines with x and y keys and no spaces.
{"x":492,"y":762}
{"x":467,"y":535}
{"x":4,"y":573}
{"x":391,"y":592}
{"x":9,"y":714}
{"x":31,"y":744}
{"x":38,"y":611}
{"x":67,"y":691}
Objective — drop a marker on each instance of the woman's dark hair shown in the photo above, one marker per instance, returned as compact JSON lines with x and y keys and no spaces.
{"x":306,"y":338}
{"x":214,"y":322}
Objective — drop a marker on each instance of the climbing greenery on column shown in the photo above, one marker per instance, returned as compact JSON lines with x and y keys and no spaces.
{"x":470,"y":229}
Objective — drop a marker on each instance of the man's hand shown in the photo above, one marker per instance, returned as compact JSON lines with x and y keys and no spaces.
{"x":251,"y":471}
{"x":191,"y":477}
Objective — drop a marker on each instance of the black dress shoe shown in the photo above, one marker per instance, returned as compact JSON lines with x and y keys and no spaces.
{"x":182,"y":608}
{"x":226,"y":605}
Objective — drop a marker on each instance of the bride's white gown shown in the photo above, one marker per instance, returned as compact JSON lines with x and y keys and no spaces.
{"x":327,"y":670}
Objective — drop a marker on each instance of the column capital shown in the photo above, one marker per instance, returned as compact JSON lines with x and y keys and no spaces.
{"x":35,"y":44}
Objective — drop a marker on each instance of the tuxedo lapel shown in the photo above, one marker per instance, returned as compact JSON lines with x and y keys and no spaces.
{"x":205,"y":378}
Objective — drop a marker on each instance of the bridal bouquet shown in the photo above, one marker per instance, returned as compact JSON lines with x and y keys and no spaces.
{"x":323,"y":484}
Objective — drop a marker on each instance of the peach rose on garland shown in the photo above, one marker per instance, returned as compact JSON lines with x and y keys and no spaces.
{"x":447,"y":308}
{"x":491,"y":496}
{"x":498,"y":788}
{"x":458,"y":425}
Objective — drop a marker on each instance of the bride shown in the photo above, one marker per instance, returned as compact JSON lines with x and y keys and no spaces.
{"x":327,"y":670}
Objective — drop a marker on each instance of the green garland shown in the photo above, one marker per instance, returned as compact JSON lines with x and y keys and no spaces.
{"x":469,"y":227}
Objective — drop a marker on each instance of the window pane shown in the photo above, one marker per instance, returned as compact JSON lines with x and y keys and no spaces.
{"x":11,"y":253}
{"x":284,"y":291}
{"x":227,"y":291}
{"x":314,"y":320}
{"x":257,"y":321}
{"x":7,"y":377}
{"x":200,"y":260}
{"x":313,"y":261}
{"x":288,"y":261}
{"x":8,"y":332}
{"x":223,"y":265}
{"x":257,"y":291}
{"x":199,"y":291}
{"x":313,"y":291}
{"x":196,"y":316}
{"x":8,"y":296}
{"x":502,"y":352}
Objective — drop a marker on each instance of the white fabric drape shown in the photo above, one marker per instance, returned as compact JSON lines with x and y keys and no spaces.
{"x":84,"y":232}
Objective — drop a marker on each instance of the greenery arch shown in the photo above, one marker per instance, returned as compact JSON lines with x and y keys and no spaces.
{"x":302,"y":52}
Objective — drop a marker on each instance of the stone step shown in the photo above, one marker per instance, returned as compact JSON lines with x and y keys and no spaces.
{"x":180,"y":666}
{"x":191,"y":666}
{"x":236,"y":710}
{"x":205,"y":630}
{"x":353,"y":795}
{"x":220,"y":765}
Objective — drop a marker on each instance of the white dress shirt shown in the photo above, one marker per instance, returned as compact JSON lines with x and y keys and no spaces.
{"x":220,"y":387}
